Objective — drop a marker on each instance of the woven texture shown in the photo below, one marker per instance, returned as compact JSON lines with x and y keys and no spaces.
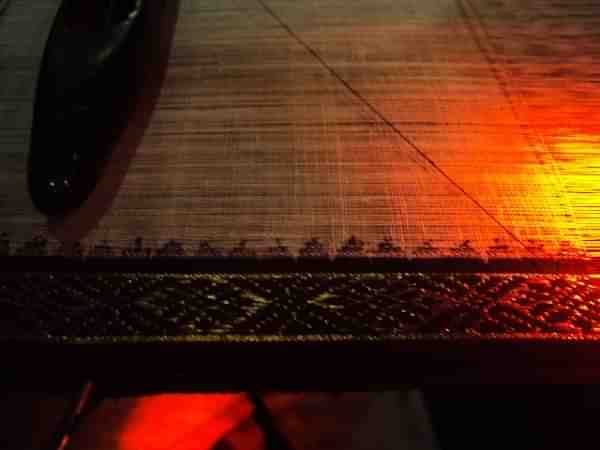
{"x":295,"y":306}
{"x":432,"y":124}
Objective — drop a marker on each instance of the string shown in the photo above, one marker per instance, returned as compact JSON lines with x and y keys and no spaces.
{"x":385,"y":120}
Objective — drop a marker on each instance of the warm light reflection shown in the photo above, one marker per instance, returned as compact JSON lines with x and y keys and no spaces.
{"x":182,"y":422}
{"x":577,"y":155}
{"x":580,"y":144}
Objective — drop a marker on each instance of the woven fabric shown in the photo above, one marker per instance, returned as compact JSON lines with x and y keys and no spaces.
{"x":437,"y":126}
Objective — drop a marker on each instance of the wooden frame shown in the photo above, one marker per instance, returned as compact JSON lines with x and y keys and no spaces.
{"x":308,"y":323}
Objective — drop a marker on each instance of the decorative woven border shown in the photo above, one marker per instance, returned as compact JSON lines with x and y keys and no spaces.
{"x":109,"y":307}
{"x":164,"y":311}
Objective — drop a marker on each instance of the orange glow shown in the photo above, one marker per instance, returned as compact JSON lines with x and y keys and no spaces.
{"x":577,"y":155}
{"x":580,"y":144}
